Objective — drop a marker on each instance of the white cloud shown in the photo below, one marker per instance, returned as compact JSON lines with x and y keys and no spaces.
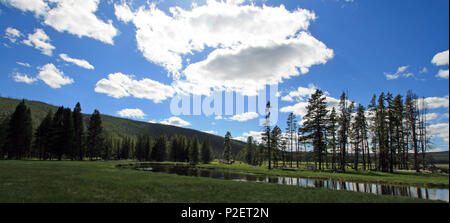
{"x":401,"y":72}
{"x":264,"y":64}
{"x":424,"y":70}
{"x":39,"y":7}
{"x":40,"y":41}
{"x":257,"y":136}
{"x":218,"y":117}
{"x":120,"y":85}
{"x":24,"y":78}
{"x":12,"y":34}
{"x":441,"y":59}
{"x":78,"y":62}
{"x":441,"y":130}
{"x":251,"y":48}
{"x":436,"y":102}
{"x":442,"y":74}
{"x":431,"y":116}
{"x":71,"y":16}
{"x":53,"y":77}
{"x":301,"y":95}
{"x":24,"y":64}
{"x":176,"y":121}
{"x":80,"y":20}
{"x":211,"y":132}
{"x":244,"y":116}
{"x":131,"y":113}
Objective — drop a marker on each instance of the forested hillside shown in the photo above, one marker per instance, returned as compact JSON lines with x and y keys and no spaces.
{"x":119,"y":126}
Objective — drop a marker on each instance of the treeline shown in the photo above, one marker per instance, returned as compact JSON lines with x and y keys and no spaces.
{"x":63,"y":136}
{"x":379,"y":137}
{"x":60,"y":135}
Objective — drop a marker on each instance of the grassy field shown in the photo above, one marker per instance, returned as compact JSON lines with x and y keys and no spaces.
{"x":396,"y":178}
{"x":72,"y":181}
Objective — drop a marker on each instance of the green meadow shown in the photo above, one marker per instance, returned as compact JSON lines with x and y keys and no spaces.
{"x":102,"y":181}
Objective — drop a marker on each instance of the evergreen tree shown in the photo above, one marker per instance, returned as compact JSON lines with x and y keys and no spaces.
{"x":412,"y":113}
{"x":18,"y":141}
{"x":158,"y":152}
{"x":249,"y":153}
{"x":43,"y":137}
{"x":194,"y":151}
{"x":343,"y":133}
{"x":95,"y":137}
{"x":78,"y":129}
{"x":315,"y":124}
{"x":206,"y":150}
{"x":227,"y":150}
{"x":332,"y":128}
{"x":276,"y":135}
{"x":290,"y":130}
{"x":4,"y":123}
{"x":68,"y":130}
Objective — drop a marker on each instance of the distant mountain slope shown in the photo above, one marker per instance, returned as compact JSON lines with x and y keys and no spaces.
{"x":119,"y":126}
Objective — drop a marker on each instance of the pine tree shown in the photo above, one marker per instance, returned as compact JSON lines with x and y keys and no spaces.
{"x":291,"y":129}
{"x":332,"y":129}
{"x":194,"y":151}
{"x":43,"y":137}
{"x":78,"y":128}
{"x":4,"y":122}
{"x":249,"y":153}
{"x":344,"y":123}
{"x":315,"y":124}
{"x":227,"y":150}
{"x":276,"y":135}
{"x":412,"y":114}
{"x":206,"y":150}
{"x":95,"y":137}
{"x":158,"y":152}
{"x":18,"y":141}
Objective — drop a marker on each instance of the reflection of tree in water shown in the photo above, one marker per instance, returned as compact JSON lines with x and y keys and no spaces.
{"x":422,"y":193}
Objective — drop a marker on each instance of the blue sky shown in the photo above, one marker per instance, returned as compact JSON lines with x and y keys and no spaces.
{"x":131,"y":58}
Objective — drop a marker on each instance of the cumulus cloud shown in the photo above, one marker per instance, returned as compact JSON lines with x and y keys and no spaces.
{"x":244,"y":116}
{"x":12,"y":34}
{"x":53,"y":77}
{"x":301,"y":96}
{"x":38,"y":7}
{"x":440,"y":130}
{"x":257,"y":136}
{"x":441,"y":59}
{"x":80,"y":20}
{"x":176,"y":121}
{"x":436,"y":102}
{"x":300,"y":93}
{"x":70,"y":16}
{"x":24,"y":78}
{"x":442,"y":74}
{"x":40,"y":41}
{"x":248,"y":69}
{"x":401,"y":72}
{"x":131,"y":113}
{"x":120,"y":85}
{"x":249,"y":55}
{"x":78,"y":62}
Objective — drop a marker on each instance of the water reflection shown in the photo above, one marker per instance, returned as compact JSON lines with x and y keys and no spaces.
{"x":407,"y":191}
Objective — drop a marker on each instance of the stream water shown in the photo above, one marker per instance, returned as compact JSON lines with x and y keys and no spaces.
{"x":379,"y":189}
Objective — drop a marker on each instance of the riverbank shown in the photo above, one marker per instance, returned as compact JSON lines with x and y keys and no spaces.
{"x":396,"y":178}
{"x":101,"y":181}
